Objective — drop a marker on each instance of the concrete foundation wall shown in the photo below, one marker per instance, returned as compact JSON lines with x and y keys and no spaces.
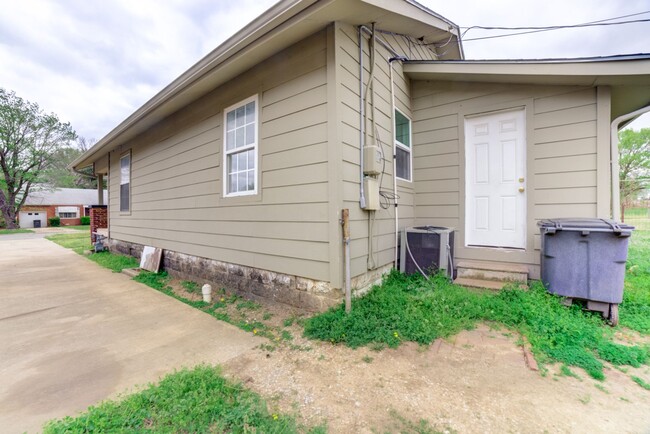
{"x":246,"y":281}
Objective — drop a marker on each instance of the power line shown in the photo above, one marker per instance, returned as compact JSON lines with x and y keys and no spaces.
{"x":538,"y":29}
{"x":547,"y":29}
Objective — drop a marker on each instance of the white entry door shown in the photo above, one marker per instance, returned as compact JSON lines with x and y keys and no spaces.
{"x":495,"y":183}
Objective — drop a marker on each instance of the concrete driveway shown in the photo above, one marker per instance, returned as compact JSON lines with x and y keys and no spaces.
{"x":73,"y":334}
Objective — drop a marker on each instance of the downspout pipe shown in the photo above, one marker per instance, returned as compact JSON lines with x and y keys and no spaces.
{"x":616,"y":184}
{"x":392,"y":116}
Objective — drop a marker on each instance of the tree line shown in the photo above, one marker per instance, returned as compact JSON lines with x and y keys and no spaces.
{"x":35,"y":149}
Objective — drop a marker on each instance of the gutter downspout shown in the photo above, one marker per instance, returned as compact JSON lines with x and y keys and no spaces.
{"x":392,"y":116}
{"x":362,"y":122}
{"x":616,"y":184}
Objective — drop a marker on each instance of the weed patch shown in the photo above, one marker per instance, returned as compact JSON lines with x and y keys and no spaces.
{"x":114,"y":262}
{"x":196,"y":400}
{"x":409,"y":308}
{"x":190,"y":286}
{"x":641,"y":382}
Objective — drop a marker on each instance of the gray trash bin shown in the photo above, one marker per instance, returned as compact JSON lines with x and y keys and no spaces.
{"x":37,"y":223}
{"x":585,"y":259}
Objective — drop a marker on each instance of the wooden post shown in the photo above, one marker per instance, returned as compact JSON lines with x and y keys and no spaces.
{"x":345,"y":221}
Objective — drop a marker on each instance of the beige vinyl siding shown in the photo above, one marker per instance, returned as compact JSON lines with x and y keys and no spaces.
{"x":561,"y":147}
{"x":348,"y":107}
{"x":409,"y":46}
{"x":176,"y":187}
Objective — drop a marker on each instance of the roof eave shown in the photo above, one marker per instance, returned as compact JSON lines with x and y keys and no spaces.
{"x":230,"y":56}
{"x":231,"y":47}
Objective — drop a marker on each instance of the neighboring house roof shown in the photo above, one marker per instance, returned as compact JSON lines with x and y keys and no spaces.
{"x":284,"y":24}
{"x":64,"y":196}
{"x":628,"y":76}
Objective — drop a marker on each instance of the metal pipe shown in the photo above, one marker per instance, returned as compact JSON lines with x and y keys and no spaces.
{"x":616,"y":184}
{"x":362,"y":123}
{"x":362,"y":110}
{"x":392,"y":117}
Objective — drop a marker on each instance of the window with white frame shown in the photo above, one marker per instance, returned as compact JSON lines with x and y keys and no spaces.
{"x":67,"y":212}
{"x":125,"y":182}
{"x":240,"y":148}
{"x":402,"y":146}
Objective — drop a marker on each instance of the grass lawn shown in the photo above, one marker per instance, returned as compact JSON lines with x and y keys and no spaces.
{"x":409,"y":308}
{"x":15,"y":231}
{"x":78,"y":227}
{"x":196,"y":400}
{"x":80,"y":242}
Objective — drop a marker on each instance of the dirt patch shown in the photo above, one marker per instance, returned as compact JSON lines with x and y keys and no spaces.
{"x":476,"y":382}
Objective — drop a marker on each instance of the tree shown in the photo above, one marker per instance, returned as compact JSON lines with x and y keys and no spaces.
{"x":28,"y":139}
{"x":634,"y":162}
{"x":56,"y":173}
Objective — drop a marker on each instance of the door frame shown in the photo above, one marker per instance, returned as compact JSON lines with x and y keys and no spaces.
{"x":501,"y":254}
{"x":520,"y":241}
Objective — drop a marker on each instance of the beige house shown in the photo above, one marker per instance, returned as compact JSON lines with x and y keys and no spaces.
{"x":240,"y":168}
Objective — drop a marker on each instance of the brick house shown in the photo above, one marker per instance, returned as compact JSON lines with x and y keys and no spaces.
{"x":69,"y":204}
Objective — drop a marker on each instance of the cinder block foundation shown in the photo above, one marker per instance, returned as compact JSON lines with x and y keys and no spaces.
{"x":248,"y":282}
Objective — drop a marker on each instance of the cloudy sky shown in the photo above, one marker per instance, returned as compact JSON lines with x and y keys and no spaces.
{"x":95,"y":62}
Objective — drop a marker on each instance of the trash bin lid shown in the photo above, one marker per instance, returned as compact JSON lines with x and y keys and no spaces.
{"x":585,"y":224}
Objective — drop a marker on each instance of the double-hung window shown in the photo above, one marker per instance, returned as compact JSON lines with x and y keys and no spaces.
{"x":240,"y":148}
{"x":125,"y":182}
{"x":402,"y":146}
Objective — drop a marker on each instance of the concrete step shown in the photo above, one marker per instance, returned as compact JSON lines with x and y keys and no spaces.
{"x":492,"y":271}
{"x":131,"y":272}
{"x":479,"y":283}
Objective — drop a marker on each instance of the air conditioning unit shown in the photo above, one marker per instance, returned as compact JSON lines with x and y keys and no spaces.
{"x":427,"y":249}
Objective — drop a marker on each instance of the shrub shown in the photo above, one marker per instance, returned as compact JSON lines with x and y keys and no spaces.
{"x":85,"y":220}
{"x":54,"y":221}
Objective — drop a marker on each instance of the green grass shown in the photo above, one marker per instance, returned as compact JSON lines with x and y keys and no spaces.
{"x":638,"y":217}
{"x":77,"y":242}
{"x":15,"y":231}
{"x":409,"y":308}
{"x":191,"y":286}
{"x":634,"y":312}
{"x":160,"y":282}
{"x":78,"y":227}
{"x":194,"y":400}
{"x":640,"y":382}
{"x":80,"y":242}
{"x":113,"y":261}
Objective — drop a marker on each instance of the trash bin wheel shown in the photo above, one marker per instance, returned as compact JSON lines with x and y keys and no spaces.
{"x":613,"y":314}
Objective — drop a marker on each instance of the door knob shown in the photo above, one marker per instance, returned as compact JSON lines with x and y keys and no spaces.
{"x":521,"y":189}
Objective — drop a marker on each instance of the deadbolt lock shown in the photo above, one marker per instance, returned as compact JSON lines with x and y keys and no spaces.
{"x":521,"y":179}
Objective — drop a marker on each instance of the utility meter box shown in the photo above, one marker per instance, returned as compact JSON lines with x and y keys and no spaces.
{"x":371,"y":189}
{"x":372,"y":160}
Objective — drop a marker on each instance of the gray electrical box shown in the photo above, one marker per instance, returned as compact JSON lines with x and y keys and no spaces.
{"x":371,"y":189}
{"x":372,"y":160}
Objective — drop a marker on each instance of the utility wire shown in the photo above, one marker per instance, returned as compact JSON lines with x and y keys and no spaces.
{"x":537,"y":29}
{"x":547,"y":29}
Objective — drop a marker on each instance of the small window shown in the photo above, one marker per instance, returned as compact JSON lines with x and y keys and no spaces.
{"x":68,"y":215}
{"x":403,"y":146}
{"x":240,"y":148}
{"x":125,"y":183}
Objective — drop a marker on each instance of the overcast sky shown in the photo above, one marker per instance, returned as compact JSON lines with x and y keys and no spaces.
{"x":95,"y":62}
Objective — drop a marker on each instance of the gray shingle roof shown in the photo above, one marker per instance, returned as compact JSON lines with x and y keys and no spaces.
{"x":65,"y":196}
